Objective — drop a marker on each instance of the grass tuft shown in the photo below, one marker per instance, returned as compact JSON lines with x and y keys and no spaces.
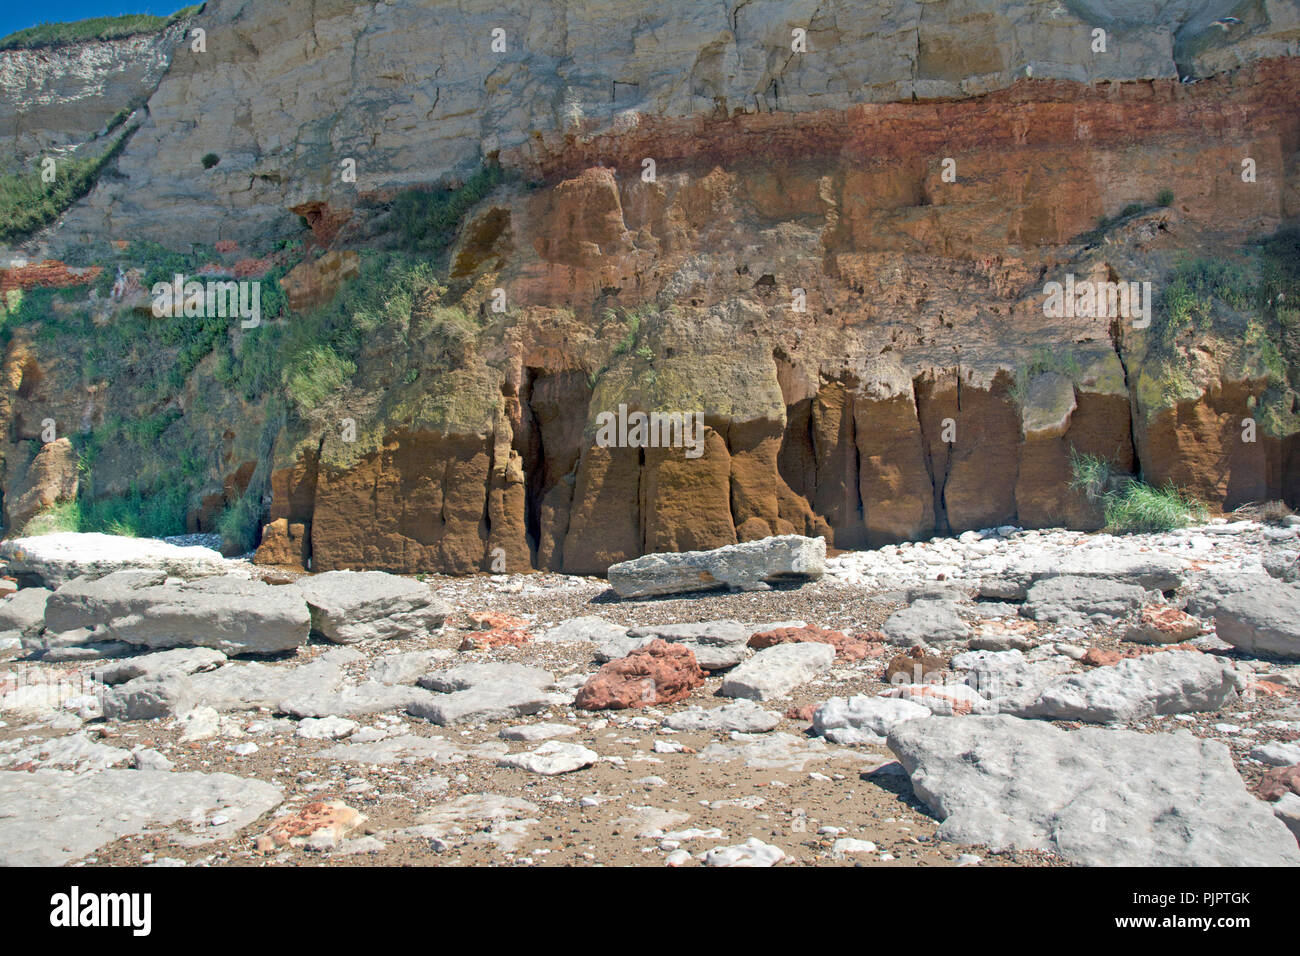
{"x":1132,"y":506}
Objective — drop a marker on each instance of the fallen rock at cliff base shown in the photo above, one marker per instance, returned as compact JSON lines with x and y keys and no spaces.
{"x":351,"y":606}
{"x":1099,"y":797}
{"x":717,"y":645}
{"x":231,"y":613}
{"x":24,"y":611}
{"x":751,"y":566}
{"x":1162,"y":624}
{"x":58,"y":558}
{"x":1071,"y":600}
{"x":848,"y":648}
{"x":862,"y":719}
{"x":926,"y":622}
{"x":742,"y":716}
{"x":551,"y":758}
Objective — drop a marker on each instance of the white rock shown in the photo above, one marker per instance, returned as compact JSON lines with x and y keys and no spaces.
{"x":777,"y":670}
{"x":325,"y":728}
{"x":753,"y":852}
{"x":58,"y":558}
{"x":552,"y":757}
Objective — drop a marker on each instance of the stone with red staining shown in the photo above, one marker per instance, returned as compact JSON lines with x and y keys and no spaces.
{"x":320,"y":825}
{"x":950,"y":700}
{"x":1162,"y":624}
{"x":495,"y":630}
{"x":1266,"y":687}
{"x":659,"y":673}
{"x":1100,"y":657}
{"x":804,"y":713}
{"x":1278,"y":782}
{"x":848,"y":648}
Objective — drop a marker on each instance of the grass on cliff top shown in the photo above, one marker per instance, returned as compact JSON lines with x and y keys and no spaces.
{"x":95,"y":28}
{"x":1132,"y":506}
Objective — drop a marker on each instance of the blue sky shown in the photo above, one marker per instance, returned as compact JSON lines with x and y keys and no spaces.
{"x":17,"y":14}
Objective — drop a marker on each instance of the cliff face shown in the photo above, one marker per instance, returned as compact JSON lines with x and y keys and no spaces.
{"x":860,"y":323}
{"x":413,"y":91}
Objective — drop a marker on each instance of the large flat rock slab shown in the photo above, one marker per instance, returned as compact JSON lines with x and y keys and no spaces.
{"x":1099,"y":797}
{"x":231,"y":613}
{"x":1261,"y":618}
{"x":351,"y":606}
{"x":55,"y":559}
{"x":51,"y":817}
{"x":1168,"y":682}
{"x":752,"y":566}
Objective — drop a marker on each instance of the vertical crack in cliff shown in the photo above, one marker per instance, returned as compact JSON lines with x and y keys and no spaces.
{"x":1117,"y":343}
{"x":534,"y":461}
{"x":860,"y":506}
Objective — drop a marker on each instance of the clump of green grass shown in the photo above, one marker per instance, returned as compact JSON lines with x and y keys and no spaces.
{"x":239,"y":524}
{"x":1141,"y":507}
{"x":1090,"y":474}
{"x":95,"y":28}
{"x":64,"y":516}
{"x":1165,"y":198}
{"x":27,"y":203}
{"x":426,"y":221}
{"x":1131,"y":506}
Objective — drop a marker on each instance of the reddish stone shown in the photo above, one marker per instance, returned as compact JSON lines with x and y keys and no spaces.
{"x":51,"y":273}
{"x":659,"y":673}
{"x":251,"y":268}
{"x":849,"y":648}
{"x":1162,"y":624}
{"x":495,"y":630}
{"x":334,"y":815}
{"x":225,"y":245}
{"x":1099,"y":657}
{"x":804,"y":713}
{"x":1278,"y":782}
{"x":1266,"y":687}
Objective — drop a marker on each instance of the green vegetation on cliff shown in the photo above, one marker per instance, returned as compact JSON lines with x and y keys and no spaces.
{"x":95,"y":28}
{"x":27,"y":202}
{"x":1132,"y":506}
{"x":1244,"y":316}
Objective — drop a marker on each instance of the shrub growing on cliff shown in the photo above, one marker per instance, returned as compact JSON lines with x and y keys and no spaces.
{"x":1045,"y":360}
